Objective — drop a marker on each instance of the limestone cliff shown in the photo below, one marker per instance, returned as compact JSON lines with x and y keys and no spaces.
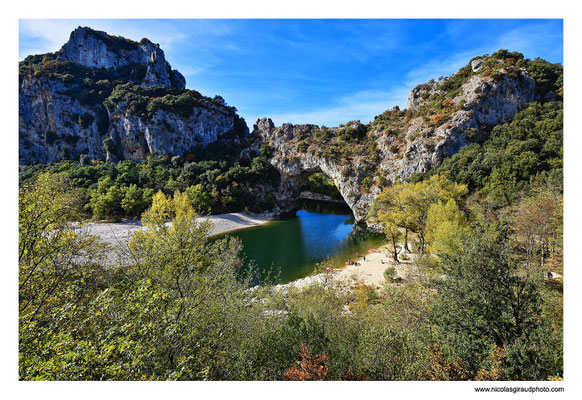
{"x":95,"y":49}
{"x":110,"y":97}
{"x":441,"y":118}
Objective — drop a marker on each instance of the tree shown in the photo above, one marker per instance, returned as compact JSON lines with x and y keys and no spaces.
{"x":406,"y":205}
{"x":134,"y":202}
{"x":538,"y":224}
{"x":392,"y":232}
{"x":445,"y":227}
{"x":49,"y":248}
{"x":105,"y":200}
{"x":484,"y":301}
{"x":201,"y":200}
{"x":110,"y":147}
{"x":57,"y":268}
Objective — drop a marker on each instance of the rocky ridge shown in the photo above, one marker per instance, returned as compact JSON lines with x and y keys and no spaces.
{"x":66,"y":107}
{"x":405,"y":143}
{"x":96,"y":49}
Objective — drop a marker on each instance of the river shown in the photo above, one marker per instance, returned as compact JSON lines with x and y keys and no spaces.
{"x":290,"y":248}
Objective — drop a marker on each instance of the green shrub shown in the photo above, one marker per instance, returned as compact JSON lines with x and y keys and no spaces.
{"x":389,"y":274}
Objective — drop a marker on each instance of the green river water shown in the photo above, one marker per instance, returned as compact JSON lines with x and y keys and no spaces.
{"x":290,"y":248}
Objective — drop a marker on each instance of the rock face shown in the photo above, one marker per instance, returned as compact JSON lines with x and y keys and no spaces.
{"x":49,"y":123}
{"x":63,"y":115}
{"x":425,"y":140}
{"x":295,"y":166}
{"x":96,"y":49}
{"x":483,"y":102}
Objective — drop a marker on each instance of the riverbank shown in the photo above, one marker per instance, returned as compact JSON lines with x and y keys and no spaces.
{"x":120,"y":232}
{"x":369,"y":272}
{"x":371,"y":267}
{"x":223,"y":223}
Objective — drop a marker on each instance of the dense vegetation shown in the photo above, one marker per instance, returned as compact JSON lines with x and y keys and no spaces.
{"x":526,"y":151}
{"x":218,"y":182}
{"x":485,"y":273}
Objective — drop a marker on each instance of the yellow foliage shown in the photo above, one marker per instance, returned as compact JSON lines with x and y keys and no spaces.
{"x":445,"y":227}
{"x":406,"y":205}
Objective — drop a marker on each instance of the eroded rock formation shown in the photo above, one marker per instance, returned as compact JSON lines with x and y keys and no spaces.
{"x":112,"y":98}
{"x":413,"y":141}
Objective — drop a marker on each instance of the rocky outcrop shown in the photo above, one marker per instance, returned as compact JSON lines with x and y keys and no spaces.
{"x":96,"y":49}
{"x":64,"y":112}
{"x":295,"y":166}
{"x":412,"y":144}
{"x":482,"y":103}
{"x":169,"y":133}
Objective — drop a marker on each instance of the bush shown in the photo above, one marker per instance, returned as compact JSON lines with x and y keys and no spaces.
{"x":302,"y":146}
{"x":390,"y":274}
{"x":110,"y":146}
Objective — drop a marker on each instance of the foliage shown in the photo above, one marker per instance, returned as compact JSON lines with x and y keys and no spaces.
{"x":321,"y":183}
{"x":406,"y":205}
{"x":50,"y":251}
{"x":216,"y":183}
{"x":393,"y":233}
{"x":389,"y":274}
{"x":485,"y":302}
{"x":57,"y":267}
{"x":146,"y":100}
{"x":442,"y":368}
{"x":529,"y":148}
{"x":537,"y":224}
{"x":308,"y":368}
{"x":445,"y":227}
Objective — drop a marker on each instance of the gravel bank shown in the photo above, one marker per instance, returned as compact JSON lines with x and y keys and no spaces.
{"x":223,"y":223}
{"x":118,"y":234}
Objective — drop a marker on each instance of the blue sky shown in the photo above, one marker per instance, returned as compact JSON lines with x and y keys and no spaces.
{"x":324,"y":72}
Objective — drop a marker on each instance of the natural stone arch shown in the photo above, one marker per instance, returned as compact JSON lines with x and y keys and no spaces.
{"x":294,"y":166}
{"x":296,"y":170}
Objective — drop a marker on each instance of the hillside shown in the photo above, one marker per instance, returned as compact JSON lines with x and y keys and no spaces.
{"x":103,"y":97}
{"x":112,"y":98}
{"x":442,"y":117}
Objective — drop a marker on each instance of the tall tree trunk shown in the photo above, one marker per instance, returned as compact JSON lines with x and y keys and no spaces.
{"x":406,"y":240}
{"x":395,"y":249}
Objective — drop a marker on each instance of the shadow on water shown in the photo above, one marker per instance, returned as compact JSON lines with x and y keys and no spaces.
{"x":288,"y":249}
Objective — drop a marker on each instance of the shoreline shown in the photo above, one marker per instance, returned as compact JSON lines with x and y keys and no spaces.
{"x":224,"y":223}
{"x":369,"y":272}
{"x":120,"y":232}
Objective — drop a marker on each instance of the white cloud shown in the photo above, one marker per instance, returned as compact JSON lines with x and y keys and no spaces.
{"x":532,"y":40}
{"x":363,"y":106}
{"x":441,"y":67}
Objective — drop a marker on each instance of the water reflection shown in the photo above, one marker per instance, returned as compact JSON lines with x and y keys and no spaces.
{"x":295,"y":244}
